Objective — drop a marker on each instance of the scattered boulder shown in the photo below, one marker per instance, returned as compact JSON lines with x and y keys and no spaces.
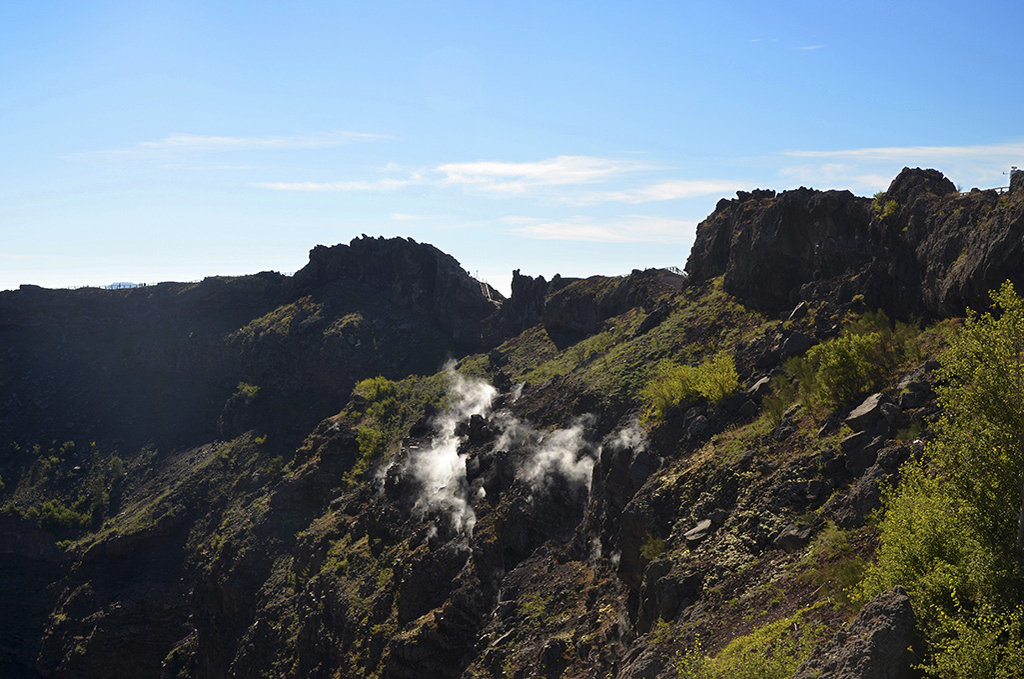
{"x":798,"y":312}
{"x":867,"y":414}
{"x":793,"y":538}
{"x":665,"y":592}
{"x":860,"y":450}
{"x":698,"y":532}
{"x":796,"y":345}
{"x":761,"y":388}
{"x":643,"y":662}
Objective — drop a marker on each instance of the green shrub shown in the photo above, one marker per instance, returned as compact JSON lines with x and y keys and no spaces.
{"x":834,"y":373}
{"x":388,"y":411}
{"x":884,"y":208}
{"x":652,"y":548}
{"x":375,"y":389}
{"x":246,"y":392}
{"x":714,"y":379}
{"x":54,"y":515}
{"x":846,"y":367}
{"x":372,"y":445}
{"x":772,"y":651}
{"x":928,"y":545}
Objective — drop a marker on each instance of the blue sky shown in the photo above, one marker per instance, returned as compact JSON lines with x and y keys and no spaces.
{"x":170,"y":141}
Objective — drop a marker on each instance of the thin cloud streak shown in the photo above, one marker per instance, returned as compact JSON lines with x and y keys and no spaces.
{"x":835,"y":175}
{"x":628,"y":229}
{"x":188,"y":144}
{"x":672,"y":189}
{"x":354,"y":185}
{"x":903,"y":153}
{"x":495,"y":177}
{"x":504,"y":177}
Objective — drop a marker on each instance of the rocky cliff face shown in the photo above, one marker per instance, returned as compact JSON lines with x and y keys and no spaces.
{"x":919,"y":247}
{"x":514,"y":515}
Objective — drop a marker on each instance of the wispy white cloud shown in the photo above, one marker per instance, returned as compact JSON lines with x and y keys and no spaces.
{"x":386,"y":184}
{"x":903,"y":153}
{"x":494,"y":177}
{"x":672,"y":189}
{"x":184,"y":144}
{"x":873,"y":168}
{"x":627,"y":229}
{"x":515,"y":178}
{"x":811,"y":47}
{"x":834,"y":175}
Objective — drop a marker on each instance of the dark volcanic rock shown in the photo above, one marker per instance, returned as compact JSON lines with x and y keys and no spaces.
{"x":409,"y":273}
{"x":767,"y":246}
{"x":881,"y":643}
{"x":526,"y":305}
{"x":579,"y":308}
{"x":920,"y":244}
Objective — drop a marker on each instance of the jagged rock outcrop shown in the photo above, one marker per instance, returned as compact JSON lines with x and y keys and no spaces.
{"x":768,"y":246}
{"x":881,"y":643}
{"x":409,"y":273}
{"x":578,"y":309}
{"x":920,"y":245}
{"x":526,"y":305}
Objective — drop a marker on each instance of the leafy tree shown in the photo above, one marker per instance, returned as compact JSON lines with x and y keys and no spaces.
{"x":953,"y":531}
{"x":982,"y":434}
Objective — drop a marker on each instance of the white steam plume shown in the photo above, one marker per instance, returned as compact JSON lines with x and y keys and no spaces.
{"x":562,"y":452}
{"x":631,"y":437}
{"x":439,"y":467}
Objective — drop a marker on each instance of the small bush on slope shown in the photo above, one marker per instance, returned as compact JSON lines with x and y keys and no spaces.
{"x":834,"y":373}
{"x":714,"y":379}
{"x":772,"y":651}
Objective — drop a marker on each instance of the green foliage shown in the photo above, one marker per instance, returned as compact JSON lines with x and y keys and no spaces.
{"x":949,"y":532}
{"x":834,"y":373}
{"x":274,"y":465}
{"x":985,"y":642}
{"x":772,"y":651}
{"x":372,"y":444}
{"x":884,"y":208}
{"x":54,"y":515}
{"x":376,"y":390}
{"x":652,"y":548}
{"x":833,"y":565}
{"x":246,"y":392}
{"x":533,"y":608}
{"x":847,"y":367}
{"x":388,"y":411}
{"x":928,"y":545}
{"x":714,"y":379}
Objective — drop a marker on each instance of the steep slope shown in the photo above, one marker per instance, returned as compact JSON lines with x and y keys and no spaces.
{"x":629,"y":477}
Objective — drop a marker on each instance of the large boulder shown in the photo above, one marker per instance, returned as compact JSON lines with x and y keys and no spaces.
{"x":882,"y":642}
